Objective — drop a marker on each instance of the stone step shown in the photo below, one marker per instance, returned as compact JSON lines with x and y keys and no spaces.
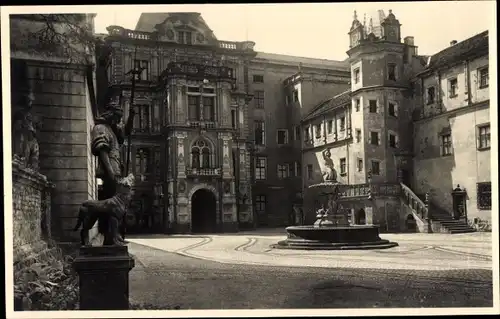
{"x":471,"y":230}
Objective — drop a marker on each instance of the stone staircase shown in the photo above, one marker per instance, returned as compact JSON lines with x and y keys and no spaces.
{"x":446,"y":221}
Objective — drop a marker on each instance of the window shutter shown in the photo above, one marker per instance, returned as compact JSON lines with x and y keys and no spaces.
{"x":397,"y":141}
{"x":378,"y":106}
{"x":370,"y":138}
{"x":449,"y":88}
{"x":396,"y":109}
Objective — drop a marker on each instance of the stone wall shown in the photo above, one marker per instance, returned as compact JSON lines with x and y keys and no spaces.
{"x":31,"y":196}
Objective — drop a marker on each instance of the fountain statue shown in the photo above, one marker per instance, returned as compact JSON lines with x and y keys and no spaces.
{"x":332,"y":229}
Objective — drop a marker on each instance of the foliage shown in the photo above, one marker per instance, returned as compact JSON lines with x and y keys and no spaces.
{"x":481,"y":225}
{"x":50,"y":284}
{"x":68,"y":36}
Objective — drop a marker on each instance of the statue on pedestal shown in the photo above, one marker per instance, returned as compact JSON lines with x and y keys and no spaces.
{"x":25,"y":148}
{"x":108,"y":136}
{"x":329,"y":174}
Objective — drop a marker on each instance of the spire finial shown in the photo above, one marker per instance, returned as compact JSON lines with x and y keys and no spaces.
{"x":355,"y":15}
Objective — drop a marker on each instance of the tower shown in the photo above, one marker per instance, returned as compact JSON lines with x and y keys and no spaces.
{"x":380,"y":120}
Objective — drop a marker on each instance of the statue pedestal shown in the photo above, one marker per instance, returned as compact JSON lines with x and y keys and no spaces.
{"x":104,"y":277}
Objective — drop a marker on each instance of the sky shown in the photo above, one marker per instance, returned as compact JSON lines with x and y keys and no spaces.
{"x":319,"y":30}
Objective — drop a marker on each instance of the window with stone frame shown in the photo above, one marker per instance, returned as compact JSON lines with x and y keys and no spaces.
{"x":392,"y":109}
{"x":317,"y":129}
{"x":484,"y":195}
{"x":185,"y":37}
{"x":356,"y":75}
{"x":330,"y":126}
{"x":201,"y":155}
{"x":484,"y":79}
{"x":260,"y":133}
{"x":298,"y":169}
{"x":259,"y":99}
{"x":343,"y":166}
{"x":258,"y":78}
{"x":393,"y":140}
{"x":260,"y":204}
{"x":297,"y":133}
{"x":483,"y":137}
{"x":209,"y":108}
{"x":372,"y":105}
{"x":260,"y":168}
{"x":142,"y":119}
{"x":431,"y":95}
{"x":295,"y":95}
{"x":446,"y":144}
{"x":358,"y":135}
{"x":342,"y":123}
{"x":283,"y":170}
{"x":143,"y":66}
{"x":360,"y":164}
{"x":375,"y":169}
{"x":391,"y":71}
{"x":357,"y":105}
{"x":307,"y":134}
{"x":142,"y":163}
{"x":310,"y":172}
{"x":452,"y":87}
{"x":194,"y":107}
{"x":374,"y":138}
{"x":282,"y":136}
{"x":233,"y":118}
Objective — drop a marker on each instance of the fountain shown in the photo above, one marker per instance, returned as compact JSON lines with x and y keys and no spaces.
{"x":332,"y":229}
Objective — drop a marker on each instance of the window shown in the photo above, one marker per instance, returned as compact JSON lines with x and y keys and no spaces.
{"x":392,"y":140}
{"x":234,"y":119}
{"x":142,"y":119}
{"x":453,"y":87}
{"x":259,"y":99}
{"x":143,"y":66}
{"x":260,"y":204}
{"x":260,"y":133}
{"x":201,"y":155}
{"x":307,"y":134}
{"x":358,"y":135}
{"x":297,"y":133}
{"x":391,"y":71}
{"x":257,"y":78}
{"x":185,"y":37}
{"x":330,"y":126}
{"x":208,"y":108}
{"x":317,"y":128}
{"x":431,"y":95}
{"x":283,"y":170}
{"x":342,"y":123}
{"x":484,"y":195}
{"x":373,"y":106}
{"x":483,"y":137}
{"x":260,"y":168}
{"x":375,"y":167}
{"x":282,"y":136}
{"x":374,"y":139}
{"x":392,"y":109}
{"x":343,"y":166}
{"x":142,"y":166}
{"x":356,"y":75}
{"x":295,"y":95}
{"x":193,"y":108}
{"x":360,"y":164}
{"x":310,"y":173}
{"x":298,"y":171}
{"x":358,"y":105}
{"x":484,"y":79}
{"x":446,"y":144}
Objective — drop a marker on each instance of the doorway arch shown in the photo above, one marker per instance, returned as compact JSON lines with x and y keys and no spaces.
{"x":203,"y":211}
{"x":360,"y":217}
{"x":411,"y":224}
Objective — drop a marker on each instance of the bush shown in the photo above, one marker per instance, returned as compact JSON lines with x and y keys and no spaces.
{"x":49,"y":284}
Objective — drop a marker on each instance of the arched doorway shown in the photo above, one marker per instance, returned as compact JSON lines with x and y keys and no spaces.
{"x":411,"y":224}
{"x":360,"y":217}
{"x":203,"y":212}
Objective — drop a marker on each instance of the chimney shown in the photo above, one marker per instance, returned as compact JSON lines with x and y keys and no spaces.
{"x":410,"y":49}
{"x":453,"y":42}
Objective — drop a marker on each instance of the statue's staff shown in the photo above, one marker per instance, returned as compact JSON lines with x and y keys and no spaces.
{"x":136,"y":71}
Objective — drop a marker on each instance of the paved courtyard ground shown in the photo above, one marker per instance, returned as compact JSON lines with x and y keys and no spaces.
{"x":240,"y":271}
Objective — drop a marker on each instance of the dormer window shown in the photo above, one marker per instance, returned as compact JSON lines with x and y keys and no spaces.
{"x":185,"y":37}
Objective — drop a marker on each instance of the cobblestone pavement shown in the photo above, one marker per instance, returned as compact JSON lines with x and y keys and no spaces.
{"x":240,"y":271}
{"x":415,"y":251}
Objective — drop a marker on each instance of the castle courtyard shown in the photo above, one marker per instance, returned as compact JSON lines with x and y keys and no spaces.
{"x":241,"y":271}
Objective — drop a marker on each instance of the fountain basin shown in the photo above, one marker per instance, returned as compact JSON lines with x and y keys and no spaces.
{"x":334,"y":238}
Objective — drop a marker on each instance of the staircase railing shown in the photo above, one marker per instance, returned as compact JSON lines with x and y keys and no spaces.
{"x":414,"y":202}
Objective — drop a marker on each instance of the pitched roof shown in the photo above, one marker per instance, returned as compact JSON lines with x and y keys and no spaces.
{"x":457,"y":52}
{"x":329,"y":104}
{"x":305,"y":62}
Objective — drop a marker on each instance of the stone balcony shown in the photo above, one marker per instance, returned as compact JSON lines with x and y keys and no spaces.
{"x":200,"y":172}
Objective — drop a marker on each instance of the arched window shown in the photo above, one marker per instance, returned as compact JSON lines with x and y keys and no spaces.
{"x":201,"y":155}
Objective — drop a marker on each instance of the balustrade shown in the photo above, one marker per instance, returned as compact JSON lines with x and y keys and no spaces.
{"x":414,"y":202}
{"x":203,"y":171}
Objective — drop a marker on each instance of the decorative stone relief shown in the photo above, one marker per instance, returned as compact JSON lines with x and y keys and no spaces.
{"x":25,"y":148}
